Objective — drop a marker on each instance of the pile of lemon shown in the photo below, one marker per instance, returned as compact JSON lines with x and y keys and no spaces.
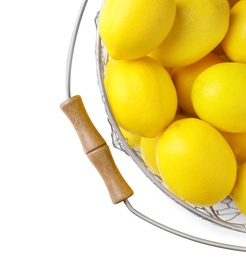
{"x":176,"y":85}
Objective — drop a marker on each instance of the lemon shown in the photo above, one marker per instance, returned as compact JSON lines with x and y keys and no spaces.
{"x":184,"y":78}
{"x":238,"y":193}
{"x":196,"y":162}
{"x":148,"y":148}
{"x":234,"y":42}
{"x":132,"y":29}
{"x":132,"y":140}
{"x":141,"y":95}
{"x":148,"y":152}
{"x":237,"y":141}
{"x":218,"y":96}
{"x":199,"y":26}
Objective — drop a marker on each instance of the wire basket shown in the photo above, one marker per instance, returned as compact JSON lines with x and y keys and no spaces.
{"x":224,"y":214}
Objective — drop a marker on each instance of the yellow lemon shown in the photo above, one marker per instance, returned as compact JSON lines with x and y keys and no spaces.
{"x":184,"y":78}
{"x":219,"y":94}
{"x":196,"y":162}
{"x":148,"y":148}
{"x":234,"y":43}
{"x":148,"y":152}
{"x":141,"y":95}
{"x":199,"y":26}
{"x":132,"y":140}
{"x":237,"y":141}
{"x":132,"y":29}
{"x":238,"y":193}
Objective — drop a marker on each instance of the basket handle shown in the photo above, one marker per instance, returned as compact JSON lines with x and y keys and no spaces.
{"x":96,"y":149}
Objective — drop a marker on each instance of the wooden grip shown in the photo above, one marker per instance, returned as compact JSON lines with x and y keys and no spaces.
{"x":96,"y":149}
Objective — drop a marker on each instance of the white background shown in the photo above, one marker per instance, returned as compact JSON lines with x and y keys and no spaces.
{"x":53,"y":203}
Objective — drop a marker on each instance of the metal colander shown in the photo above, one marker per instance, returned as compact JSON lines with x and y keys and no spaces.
{"x":224,"y":214}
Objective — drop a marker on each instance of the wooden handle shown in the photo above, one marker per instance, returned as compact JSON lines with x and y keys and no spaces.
{"x":96,"y":149}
